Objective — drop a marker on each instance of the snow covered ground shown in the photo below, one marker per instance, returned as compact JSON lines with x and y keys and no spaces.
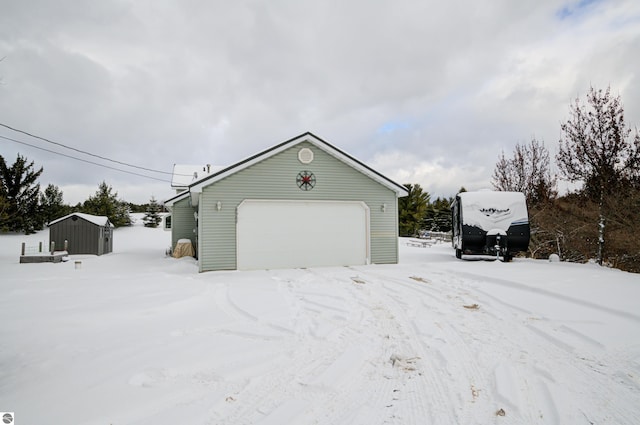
{"x":134,"y":337}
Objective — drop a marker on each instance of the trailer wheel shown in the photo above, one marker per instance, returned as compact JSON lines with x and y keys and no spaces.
{"x":507,"y":258}
{"x":458,"y":253}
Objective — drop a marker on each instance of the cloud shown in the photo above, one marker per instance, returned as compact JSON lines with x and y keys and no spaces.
{"x":446,"y":85}
{"x":441,"y":177}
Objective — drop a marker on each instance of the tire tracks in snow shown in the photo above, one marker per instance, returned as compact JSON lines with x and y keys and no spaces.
{"x":560,"y":359}
{"x":554,"y":295}
{"x":450,"y":363}
{"x":453,"y":364}
{"x":371,"y":395}
{"x":315,"y":368}
{"x":399,"y":396}
{"x":486,"y":370}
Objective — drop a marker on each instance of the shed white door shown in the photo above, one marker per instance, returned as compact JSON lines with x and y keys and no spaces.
{"x":290,"y":234}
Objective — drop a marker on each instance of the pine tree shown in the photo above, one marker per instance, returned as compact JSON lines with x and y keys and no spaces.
{"x":123,"y":215}
{"x":105,"y":203}
{"x":52,"y":205}
{"x":438,"y":215}
{"x":19,"y":196}
{"x":4,"y":206}
{"x":152,"y":217}
{"x":412,"y":209}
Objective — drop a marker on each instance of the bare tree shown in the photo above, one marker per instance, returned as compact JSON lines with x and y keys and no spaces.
{"x":596,"y":150}
{"x":504,"y":176}
{"x":528,"y":171}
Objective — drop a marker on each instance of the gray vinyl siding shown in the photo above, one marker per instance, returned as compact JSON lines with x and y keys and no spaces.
{"x":183,"y":223}
{"x":275,"y":178}
{"x":83,"y":237}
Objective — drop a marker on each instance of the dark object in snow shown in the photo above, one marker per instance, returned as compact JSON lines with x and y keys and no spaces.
{"x":406,"y":364}
{"x":419,"y":279}
{"x":45,"y":257}
{"x":490,"y":223}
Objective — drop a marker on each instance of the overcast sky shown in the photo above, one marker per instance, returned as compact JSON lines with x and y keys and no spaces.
{"x":426,"y":92}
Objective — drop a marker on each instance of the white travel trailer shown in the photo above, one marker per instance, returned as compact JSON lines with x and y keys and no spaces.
{"x":490,"y":223}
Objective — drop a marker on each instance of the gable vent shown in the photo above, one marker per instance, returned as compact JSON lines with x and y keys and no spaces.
{"x":305,"y":155}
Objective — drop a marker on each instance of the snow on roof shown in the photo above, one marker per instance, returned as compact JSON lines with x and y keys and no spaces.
{"x":184,"y":175}
{"x":491,"y":210}
{"x":99,"y":220}
{"x":491,"y":197}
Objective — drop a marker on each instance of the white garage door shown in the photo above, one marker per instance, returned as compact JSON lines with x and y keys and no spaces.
{"x":290,"y":234}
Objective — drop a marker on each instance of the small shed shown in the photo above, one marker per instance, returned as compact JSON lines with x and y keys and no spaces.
{"x":84,"y":233}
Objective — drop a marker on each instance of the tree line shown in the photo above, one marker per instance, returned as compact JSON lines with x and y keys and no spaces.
{"x":417,"y":213}
{"x":24,"y":207}
{"x":598,"y":219}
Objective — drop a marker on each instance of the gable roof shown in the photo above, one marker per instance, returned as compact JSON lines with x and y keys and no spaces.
{"x":305,"y":137}
{"x":98,"y":220}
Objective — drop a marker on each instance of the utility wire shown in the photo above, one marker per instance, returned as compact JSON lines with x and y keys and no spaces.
{"x":83,"y":160}
{"x":84,"y":152}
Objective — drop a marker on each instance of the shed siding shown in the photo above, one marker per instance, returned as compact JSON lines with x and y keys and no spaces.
{"x":183,"y":223}
{"x":82,"y":236}
{"x":275,"y":178}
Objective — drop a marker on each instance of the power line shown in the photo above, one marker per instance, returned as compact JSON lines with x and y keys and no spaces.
{"x":83,"y":160}
{"x":83,"y":152}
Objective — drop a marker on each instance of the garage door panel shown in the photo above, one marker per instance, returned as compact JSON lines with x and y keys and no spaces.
{"x":289,"y":234}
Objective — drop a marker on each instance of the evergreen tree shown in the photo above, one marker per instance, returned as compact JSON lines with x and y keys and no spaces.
{"x":105,"y":203}
{"x":152,"y":217}
{"x":52,"y":205}
{"x":4,"y":206}
{"x":412,"y":209}
{"x":19,"y":196}
{"x":438,"y":215}
{"x":137,"y":208}
{"x":123,"y":215}
{"x":597,"y":151}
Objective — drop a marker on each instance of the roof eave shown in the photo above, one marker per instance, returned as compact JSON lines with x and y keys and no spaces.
{"x":169,"y":202}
